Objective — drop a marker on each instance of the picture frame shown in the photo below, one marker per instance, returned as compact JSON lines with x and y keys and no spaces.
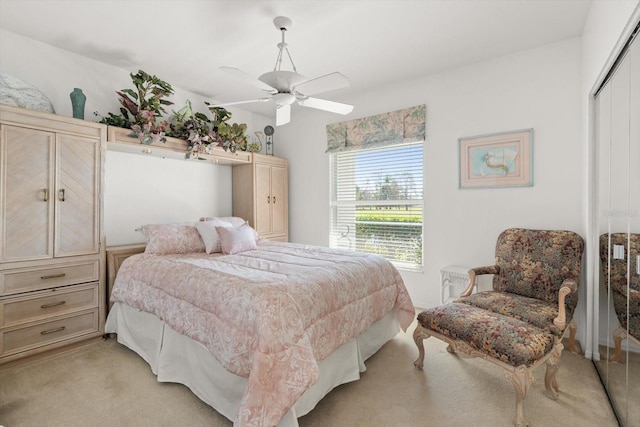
{"x":502,"y":159}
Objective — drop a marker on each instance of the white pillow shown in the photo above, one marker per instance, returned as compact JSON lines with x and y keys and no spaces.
{"x":237,"y":239}
{"x":235,"y":221}
{"x":209,"y":234}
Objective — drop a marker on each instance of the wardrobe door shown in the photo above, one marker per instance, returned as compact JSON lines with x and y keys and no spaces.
{"x":26,"y":194}
{"x":263,"y":199}
{"x":77,"y":196}
{"x":279,"y":209}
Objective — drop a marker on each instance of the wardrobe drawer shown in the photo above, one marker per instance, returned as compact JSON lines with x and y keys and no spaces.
{"x":15,"y":340}
{"x":48,"y":304}
{"x":24,"y":280}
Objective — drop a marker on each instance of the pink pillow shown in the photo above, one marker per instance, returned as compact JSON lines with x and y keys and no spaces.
{"x":237,"y":239}
{"x":171,"y":239}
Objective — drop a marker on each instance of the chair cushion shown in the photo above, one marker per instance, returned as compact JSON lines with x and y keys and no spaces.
{"x":537,"y":312}
{"x":504,"y":338}
{"x":535,"y":263}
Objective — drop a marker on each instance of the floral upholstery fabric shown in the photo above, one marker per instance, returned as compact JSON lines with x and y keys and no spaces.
{"x":617,"y":277}
{"x":535,"y":263}
{"x":538,"y":313}
{"x":504,"y":338}
{"x":514,"y":322}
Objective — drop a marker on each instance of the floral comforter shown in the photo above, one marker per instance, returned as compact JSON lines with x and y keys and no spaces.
{"x":270,"y":314}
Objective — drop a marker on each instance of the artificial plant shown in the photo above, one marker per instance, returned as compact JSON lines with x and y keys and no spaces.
{"x":232,"y":135}
{"x":201,"y":133}
{"x":140,"y":107}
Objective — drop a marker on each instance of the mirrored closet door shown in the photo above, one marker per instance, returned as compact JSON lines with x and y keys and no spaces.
{"x":618,"y":229}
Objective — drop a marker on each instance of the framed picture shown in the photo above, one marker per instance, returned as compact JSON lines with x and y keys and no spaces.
{"x":496,"y":160}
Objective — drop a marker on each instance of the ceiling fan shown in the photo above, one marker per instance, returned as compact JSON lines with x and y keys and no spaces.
{"x":287,"y":87}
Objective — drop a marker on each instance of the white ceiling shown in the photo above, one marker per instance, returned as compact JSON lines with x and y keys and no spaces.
{"x":373,"y":42}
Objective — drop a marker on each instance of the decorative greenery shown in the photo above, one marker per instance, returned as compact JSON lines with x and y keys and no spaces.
{"x":202,"y":133}
{"x":196,"y":129}
{"x":141,"y":107}
{"x":232,"y":135}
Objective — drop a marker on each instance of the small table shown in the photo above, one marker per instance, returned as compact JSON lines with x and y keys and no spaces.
{"x":454,"y":279}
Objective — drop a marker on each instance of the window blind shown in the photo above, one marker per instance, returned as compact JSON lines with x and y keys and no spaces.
{"x":376,"y":202}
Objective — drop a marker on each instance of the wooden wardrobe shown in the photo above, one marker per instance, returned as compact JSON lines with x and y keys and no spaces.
{"x":52,"y":260}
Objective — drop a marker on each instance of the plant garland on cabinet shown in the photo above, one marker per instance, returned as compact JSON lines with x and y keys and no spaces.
{"x":141,"y":107}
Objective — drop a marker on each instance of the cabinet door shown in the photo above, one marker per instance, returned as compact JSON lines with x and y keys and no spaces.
{"x":26,"y":194}
{"x":279,"y":200}
{"x":77,"y":196}
{"x":263,"y":199}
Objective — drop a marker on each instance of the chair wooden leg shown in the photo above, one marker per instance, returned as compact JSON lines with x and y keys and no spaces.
{"x":419,"y":335}
{"x":618,"y":335}
{"x":573,"y":328}
{"x":550,"y":381}
{"x":521,"y":379}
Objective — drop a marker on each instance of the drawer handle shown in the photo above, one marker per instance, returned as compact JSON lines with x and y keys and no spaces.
{"x":53,"y":304}
{"x":53,"y":276}
{"x":51,"y":331}
{"x":61,"y":195}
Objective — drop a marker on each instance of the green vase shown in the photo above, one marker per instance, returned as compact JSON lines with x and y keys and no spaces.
{"x":77,"y":103}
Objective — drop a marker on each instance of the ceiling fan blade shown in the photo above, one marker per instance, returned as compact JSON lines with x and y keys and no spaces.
{"x":224,"y":104}
{"x":283,"y":115}
{"x":322,"y":84}
{"x":323,"y":104}
{"x":248,"y":79}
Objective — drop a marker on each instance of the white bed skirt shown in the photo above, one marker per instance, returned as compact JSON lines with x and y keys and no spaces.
{"x":176,"y":358}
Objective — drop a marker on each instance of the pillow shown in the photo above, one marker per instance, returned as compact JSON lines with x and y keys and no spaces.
{"x":237,"y":239}
{"x":209,"y":235}
{"x":235,"y":221}
{"x":172,"y":239}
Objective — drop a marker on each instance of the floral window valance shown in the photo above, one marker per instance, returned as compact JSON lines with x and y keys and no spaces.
{"x":406,"y":125}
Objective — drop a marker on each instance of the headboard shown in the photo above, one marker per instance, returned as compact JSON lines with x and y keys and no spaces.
{"x":115,"y":256}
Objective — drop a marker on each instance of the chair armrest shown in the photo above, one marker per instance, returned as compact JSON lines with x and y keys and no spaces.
{"x":569,"y":286}
{"x":478,"y":271}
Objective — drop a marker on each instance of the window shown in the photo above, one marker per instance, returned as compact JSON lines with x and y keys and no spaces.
{"x":376,"y":202}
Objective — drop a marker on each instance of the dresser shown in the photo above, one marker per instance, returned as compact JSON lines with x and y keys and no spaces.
{"x":260,"y":195}
{"x":52,"y":261}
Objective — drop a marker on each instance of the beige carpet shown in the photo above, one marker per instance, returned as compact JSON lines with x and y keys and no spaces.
{"x":106,"y":384}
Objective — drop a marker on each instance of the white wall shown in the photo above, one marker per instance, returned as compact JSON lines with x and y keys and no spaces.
{"x":537,"y":89}
{"x":138,"y":189}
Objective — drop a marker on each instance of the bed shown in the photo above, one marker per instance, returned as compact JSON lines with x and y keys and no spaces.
{"x":261,"y":335}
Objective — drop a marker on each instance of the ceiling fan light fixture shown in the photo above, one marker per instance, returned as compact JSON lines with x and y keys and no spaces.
{"x":283,"y":98}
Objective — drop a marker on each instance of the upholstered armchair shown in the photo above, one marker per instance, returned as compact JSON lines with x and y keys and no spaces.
{"x":520,"y":324}
{"x":615,"y":272}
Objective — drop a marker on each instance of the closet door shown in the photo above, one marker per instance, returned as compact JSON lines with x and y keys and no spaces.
{"x":618,"y":131}
{"x":77,"y":196}
{"x":26,"y":194}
